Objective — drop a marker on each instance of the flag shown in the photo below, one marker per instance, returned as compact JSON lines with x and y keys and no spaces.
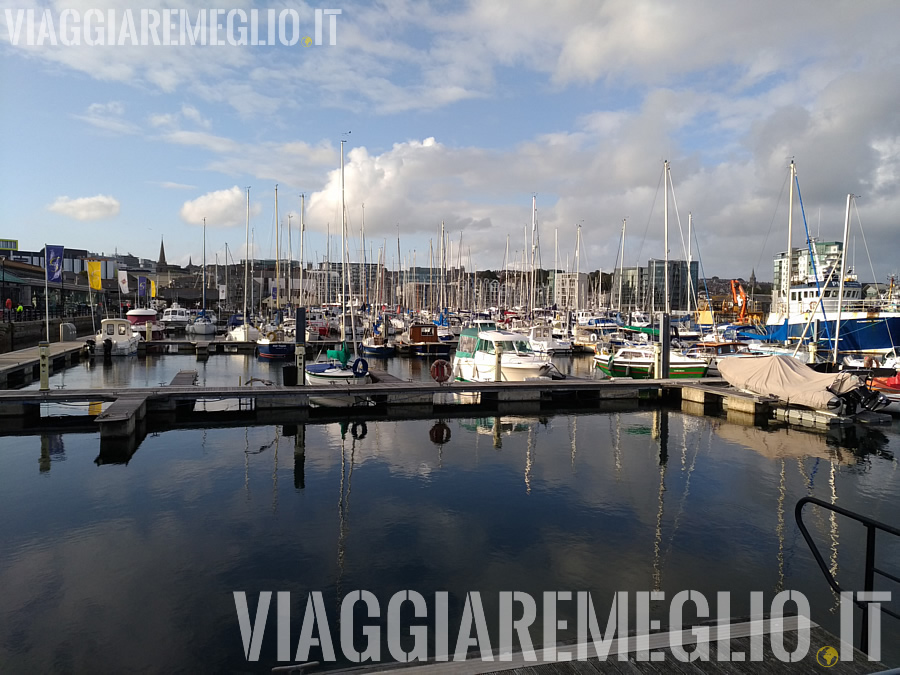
{"x":93,"y":270}
{"x":152,"y":288}
{"x":142,"y":287}
{"x":54,"y":262}
{"x":123,"y":281}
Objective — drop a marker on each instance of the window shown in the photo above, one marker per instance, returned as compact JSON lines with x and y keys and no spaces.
{"x":110,"y":329}
{"x":121,"y":329}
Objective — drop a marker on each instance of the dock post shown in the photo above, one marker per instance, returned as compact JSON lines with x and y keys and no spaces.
{"x":497,"y":369}
{"x":665,"y":342}
{"x":44,"y":351}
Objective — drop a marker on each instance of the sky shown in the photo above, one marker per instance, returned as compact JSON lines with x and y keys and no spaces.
{"x":458,"y":112}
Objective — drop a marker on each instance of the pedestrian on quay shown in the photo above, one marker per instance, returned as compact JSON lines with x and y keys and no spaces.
{"x":20,"y":311}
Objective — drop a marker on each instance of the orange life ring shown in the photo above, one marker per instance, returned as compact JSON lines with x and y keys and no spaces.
{"x":440,"y":371}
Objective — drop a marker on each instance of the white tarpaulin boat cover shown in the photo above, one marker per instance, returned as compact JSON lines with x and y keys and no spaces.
{"x":787,"y":378}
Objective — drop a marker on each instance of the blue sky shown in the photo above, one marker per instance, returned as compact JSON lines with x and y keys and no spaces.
{"x":459,"y":112}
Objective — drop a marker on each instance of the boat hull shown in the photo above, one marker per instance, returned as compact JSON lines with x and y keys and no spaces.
{"x":860,"y":331}
{"x":644,"y":371}
{"x":275,"y":350}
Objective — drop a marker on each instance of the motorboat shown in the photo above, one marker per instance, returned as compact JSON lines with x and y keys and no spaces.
{"x":638,"y":362}
{"x":713,"y":352}
{"x":143,"y":317}
{"x":117,"y":337}
{"x":480,"y":354}
{"x":793,"y":383}
{"x":175,"y":318}
{"x":421,"y":339}
{"x":541,"y":340}
{"x":273,"y":345}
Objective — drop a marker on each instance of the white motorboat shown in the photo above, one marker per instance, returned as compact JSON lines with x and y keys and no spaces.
{"x":117,"y":338}
{"x":175,"y":317}
{"x":476,"y":357}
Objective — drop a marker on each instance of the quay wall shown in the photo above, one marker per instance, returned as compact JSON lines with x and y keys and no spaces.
{"x":23,"y":334}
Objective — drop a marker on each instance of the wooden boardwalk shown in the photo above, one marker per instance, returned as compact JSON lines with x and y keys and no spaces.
{"x":20,"y":367}
{"x":655,"y":657}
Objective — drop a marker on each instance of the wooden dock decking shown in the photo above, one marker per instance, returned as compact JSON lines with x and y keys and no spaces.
{"x":654,"y":656}
{"x":20,"y":367}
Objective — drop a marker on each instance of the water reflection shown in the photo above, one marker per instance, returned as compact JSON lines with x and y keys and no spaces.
{"x":105,"y":564}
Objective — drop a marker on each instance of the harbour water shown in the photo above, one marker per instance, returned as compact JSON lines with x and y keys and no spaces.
{"x":133,"y":567}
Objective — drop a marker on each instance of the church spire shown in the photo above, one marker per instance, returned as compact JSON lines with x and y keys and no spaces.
{"x":161,"y":265}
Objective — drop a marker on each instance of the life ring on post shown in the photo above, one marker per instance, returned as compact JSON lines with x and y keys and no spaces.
{"x":593,"y":337}
{"x":360,"y":367}
{"x":440,"y":371}
{"x":270,"y":336}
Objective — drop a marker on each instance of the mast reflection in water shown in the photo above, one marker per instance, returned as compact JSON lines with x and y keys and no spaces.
{"x":130,"y":563}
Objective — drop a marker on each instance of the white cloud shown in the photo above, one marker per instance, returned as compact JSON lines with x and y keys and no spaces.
{"x":108,"y":117}
{"x":86,"y":208}
{"x":222,"y":208}
{"x":169,"y":185}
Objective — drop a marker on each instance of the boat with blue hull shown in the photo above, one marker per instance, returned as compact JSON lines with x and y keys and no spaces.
{"x":274,"y":346}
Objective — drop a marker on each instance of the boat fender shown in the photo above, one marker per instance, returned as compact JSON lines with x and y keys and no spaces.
{"x":270,"y":336}
{"x":360,"y":367}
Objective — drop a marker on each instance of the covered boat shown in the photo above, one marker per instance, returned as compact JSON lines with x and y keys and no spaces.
{"x":794,"y":383}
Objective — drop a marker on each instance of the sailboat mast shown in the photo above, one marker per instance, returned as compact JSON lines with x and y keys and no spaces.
{"x":837,"y":323}
{"x":277,"y":256}
{"x":533,"y":247}
{"x":690,"y":278}
{"x":300,"y":280}
{"x":204,"y":265}
{"x":622,"y":263}
{"x":666,"y":235}
{"x":247,"y":270}
{"x":787,"y":277}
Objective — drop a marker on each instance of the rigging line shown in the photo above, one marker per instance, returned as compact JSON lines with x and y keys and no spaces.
{"x":649,"y":218}
{"x":772,"y":222}
{"x":692,"y":292}
{"x":866,"y":246}
{"x":812,"y":257}
{"x":871,"y":266}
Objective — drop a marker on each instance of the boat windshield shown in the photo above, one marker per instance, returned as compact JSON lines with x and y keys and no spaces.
{"x":518,"y":346}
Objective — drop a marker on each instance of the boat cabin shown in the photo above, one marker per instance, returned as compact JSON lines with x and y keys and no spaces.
{"x":115,"y":328}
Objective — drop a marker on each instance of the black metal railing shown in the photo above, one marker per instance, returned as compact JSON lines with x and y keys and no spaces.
{"x":872,"y":526}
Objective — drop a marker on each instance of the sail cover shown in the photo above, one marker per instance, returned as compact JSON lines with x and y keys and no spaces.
{"x":787,"y":379}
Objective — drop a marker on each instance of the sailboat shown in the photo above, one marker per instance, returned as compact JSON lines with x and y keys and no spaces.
{"x":335,"y":371}
{"x":203,"y":324}
{"x":243,"y":331}
{"x":273,"y":345}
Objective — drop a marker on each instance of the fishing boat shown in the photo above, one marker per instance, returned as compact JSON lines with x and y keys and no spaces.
{"x":117,"y":337}
{"x":476,"y":358}
{"x":638,"y":362}
{"x":825,"y":304}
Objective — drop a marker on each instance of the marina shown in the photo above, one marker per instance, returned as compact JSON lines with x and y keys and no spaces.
{"x":451,"y":337}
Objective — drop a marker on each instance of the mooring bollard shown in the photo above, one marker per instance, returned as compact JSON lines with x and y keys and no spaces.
{"x":44,"y":352}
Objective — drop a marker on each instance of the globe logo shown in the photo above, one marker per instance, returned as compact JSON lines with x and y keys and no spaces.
{"x":827,"y":656}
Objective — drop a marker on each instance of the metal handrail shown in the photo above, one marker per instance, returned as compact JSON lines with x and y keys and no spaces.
{"x":872,"y":526}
